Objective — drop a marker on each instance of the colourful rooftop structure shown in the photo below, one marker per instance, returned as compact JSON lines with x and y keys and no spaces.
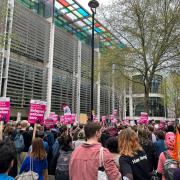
{"x":74,"y":18}
{"x":70,"y":15}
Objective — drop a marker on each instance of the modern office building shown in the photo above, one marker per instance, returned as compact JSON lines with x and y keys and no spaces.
{"x":135,"y":99}
{"x":50,"y":58}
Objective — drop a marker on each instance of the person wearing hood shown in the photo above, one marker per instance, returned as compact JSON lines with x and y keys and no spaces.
{"x":85,"y":159}
{"x":170,"y":142}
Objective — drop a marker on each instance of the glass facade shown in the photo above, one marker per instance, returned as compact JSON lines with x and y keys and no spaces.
{"x":74,"y":18}
{"x":156,"y":103}
{"x":138,"y":87}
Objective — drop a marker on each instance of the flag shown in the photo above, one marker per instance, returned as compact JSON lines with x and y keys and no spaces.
{"x":176,"y":152}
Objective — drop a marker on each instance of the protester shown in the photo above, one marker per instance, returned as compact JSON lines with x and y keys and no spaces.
{"x":63,"y":158}
{"x":84,"y":163}
{"x":38,"y":159}
{"x":148,"y":147}
{"x":81,"y":139}
{"x":56,"y":146}
{"x":153,"y":136}
{"x":133,"y":160}
{"x":40,"y":134}
{"x":7,"y":156}
{"x":160,"y":144}
{"x":26,"y":135}
{"x":170,"y":142}
{"x":112,"y":146}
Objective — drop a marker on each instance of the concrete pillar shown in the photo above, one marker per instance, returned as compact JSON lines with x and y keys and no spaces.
{"x":9,"y":22}
{"x":50,"y":68}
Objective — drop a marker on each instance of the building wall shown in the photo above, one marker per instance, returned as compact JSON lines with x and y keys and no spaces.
{"x":28,"y":73}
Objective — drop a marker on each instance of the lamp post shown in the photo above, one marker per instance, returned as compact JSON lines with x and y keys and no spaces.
{"x":93,"y":4}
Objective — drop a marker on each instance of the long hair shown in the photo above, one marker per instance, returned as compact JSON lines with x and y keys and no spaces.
{"x":128,"y":143}
{"x":38,"y":151}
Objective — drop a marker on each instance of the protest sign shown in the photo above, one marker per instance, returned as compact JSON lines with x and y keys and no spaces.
{"x":144,"y":118}
{"x":68,"y":119}
{"x":4,"y":109}
{"x":37,"y":111}
{"x":49,"y":123}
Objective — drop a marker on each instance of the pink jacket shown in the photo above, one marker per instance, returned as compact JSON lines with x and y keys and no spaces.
{"x":84,"y":163}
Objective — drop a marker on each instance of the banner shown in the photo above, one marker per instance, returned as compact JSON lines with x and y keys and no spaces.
{"x":68,"y":119}
{"x":176,"y":152}
{"x":37,"y":111}
{"x":83,"y":119}
{"x":4,"y":109}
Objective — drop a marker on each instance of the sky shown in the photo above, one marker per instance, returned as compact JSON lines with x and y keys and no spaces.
{"x":84,"y":3}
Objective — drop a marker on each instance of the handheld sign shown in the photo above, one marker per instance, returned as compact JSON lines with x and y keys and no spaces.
{"x":4,"y":109}
{"x":37,"y":111}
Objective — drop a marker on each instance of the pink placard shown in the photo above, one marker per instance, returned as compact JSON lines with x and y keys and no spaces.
{"x":144,"y":118}
{"x":53,"y":116}
{"x":4,"y":109}
{"x":49,"y":123}
{"x":68,"y":119}
{"x":37,"y":111}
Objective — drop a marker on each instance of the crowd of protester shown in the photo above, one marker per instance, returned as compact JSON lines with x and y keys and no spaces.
{"x":88,"y":152}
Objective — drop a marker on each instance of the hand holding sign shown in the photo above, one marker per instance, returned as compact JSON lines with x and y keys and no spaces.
{"x":1,"y":130}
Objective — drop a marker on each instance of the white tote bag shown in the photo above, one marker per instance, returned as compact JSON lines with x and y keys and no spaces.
{"x":101,"y":171}
{"x":30,"y":175}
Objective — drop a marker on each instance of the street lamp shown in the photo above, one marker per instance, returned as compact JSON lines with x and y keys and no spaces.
{"x":93,"y":4}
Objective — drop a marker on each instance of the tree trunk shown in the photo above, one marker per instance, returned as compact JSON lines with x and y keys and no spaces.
{"x":146,"y":98}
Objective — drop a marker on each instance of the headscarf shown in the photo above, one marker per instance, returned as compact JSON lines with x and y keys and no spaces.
{"x":170,"y":140}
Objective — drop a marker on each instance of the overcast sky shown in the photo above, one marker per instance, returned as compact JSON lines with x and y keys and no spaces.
{"x":84,"y":3}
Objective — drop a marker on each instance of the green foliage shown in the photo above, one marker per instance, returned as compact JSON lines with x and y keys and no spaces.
{"x":171,"y":85}
{"x":150,"y":30}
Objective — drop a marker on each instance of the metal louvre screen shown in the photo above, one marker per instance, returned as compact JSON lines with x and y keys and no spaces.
{"x":61,"y":91}
{"x":65,"y":69}
{"x":105,"y":107}
{"x":65,"y":50}
{"x":27,"y":78}
{"x":25,"y":82}
{"x":31,"y":34}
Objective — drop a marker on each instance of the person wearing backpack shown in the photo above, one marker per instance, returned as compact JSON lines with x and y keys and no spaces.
{"x":166,"y":165}
{"x":61,"y":161}
{"x":19,"y":142}
{"x":36,"y":161}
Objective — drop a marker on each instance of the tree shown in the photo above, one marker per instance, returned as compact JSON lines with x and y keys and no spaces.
{"x":171,"y":85}
{"x":151,"y":31}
